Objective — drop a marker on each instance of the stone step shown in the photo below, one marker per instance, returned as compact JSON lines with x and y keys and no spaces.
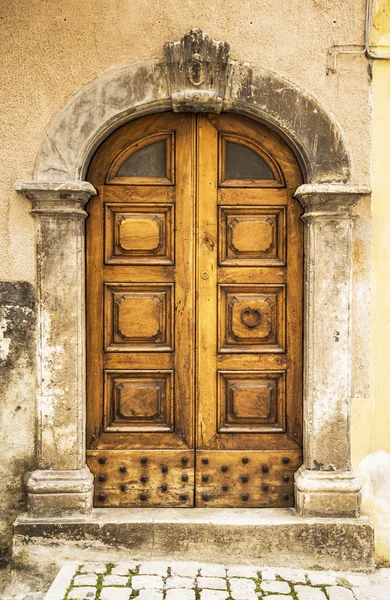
{"x":277,"y":537}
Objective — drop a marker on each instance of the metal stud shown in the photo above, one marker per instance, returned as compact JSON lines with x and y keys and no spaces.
{"x":102,"y":460}
{"x":144,"y":478}
{"x":286,"y":478}
{"x":245,"y":460}
{"x":123,"y":487}
{"x":245,"y":497}
{"x":123,"y":469}
{"x":102,"y":477}
{"x":205,"y":477}
{"x":285,"y":460}
{"x":164,"y":468}
{"x":205,"y":497}
{"x":102,"y":497}
{"x":184,"y":460}
{"x":184,"y":497}
{"x":143,"y":497}
{"x":265,"y":487}
{"x":244,"y":478}
{"x":224,"y":468}
{"x":285,"y":496}
{"x":164,"y":487}
{"x":144,"y":460}
{"x":205,"y":461}
{"x":184,"y":477}
{"x":265,"y":468}
{"x":225,"y":488}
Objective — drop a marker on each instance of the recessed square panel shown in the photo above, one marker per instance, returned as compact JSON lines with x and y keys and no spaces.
{"x":139,"y":401}
{"x":251,"y":402}
{"x":139,"y":317}
{"x":252,"y":318}
{"x":252,"y":236}
{"x":137,"y":234}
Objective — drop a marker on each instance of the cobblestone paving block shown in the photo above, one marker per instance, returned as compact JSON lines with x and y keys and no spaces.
{"x":213,"y":571}
{"x":90,"y":579}
{"x":185,"y":569}
{"x":94,"y":567}
{"x":373,"y":592}
{"x":242,"y":588}
{"x":213,"y":595}
{"x":321,"y":577}
{"x":357,"y":580}
{"x":246,"y":596}
{"x":268,"y":574}
{"x":150,"y":595}
{"x":243,"y":571}
{"x":339,"y":593}
{"x":154,"y":568}
{"x":179,"y":582}
{"x":180,"y":595}
{"x":292,"y":575}
{"x":81,"y":593}
{"x":278,"y":597}
{"x":147,"y":582}
{"x":384,"y":572}
{"x":124,"y":568}
{"x":276,"y":587}
{"x":309,"y":593}
{"x":115,"y":580}
{"x":115,"y":593}
{"x":212,"y":583}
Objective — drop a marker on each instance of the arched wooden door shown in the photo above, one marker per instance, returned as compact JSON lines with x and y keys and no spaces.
{"x":194,"y":315}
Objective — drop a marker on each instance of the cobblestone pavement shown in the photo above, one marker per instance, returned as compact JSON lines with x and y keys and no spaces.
{"x":197,"y":581}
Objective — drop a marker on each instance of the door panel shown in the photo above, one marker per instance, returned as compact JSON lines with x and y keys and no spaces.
{"x":140,"y":326}
{"x":194,"y":290}
{"x":249,"y":407}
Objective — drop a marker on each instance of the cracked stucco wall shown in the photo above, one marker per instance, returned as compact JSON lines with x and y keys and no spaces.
{"x":51,"y":49}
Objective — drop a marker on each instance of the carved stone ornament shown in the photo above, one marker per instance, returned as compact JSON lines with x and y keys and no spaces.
{"x":197,"y":68}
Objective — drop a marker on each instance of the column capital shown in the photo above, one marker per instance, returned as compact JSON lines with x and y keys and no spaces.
{"x":57,"y":199}
{"x":336,"y":200}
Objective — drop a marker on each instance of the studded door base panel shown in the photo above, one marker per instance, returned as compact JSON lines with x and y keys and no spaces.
{"x":170,"y":478}
{"x":148,"y":478}
{"x":246,"y":478}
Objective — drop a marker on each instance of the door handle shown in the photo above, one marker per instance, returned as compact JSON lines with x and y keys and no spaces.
{"x":251,"y":317}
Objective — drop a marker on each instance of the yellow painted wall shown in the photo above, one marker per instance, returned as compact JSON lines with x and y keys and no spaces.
{"x":371,"y":416}
{"x":381,"y":228}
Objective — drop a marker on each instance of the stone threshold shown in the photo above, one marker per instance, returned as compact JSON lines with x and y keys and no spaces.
{"x":274,"y":537}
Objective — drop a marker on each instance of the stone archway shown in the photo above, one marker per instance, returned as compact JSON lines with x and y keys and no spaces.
{"x":195,"y":75}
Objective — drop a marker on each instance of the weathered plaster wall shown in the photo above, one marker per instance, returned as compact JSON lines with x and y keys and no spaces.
{"x":50,"y":49}
{"x":17,"y":418}
{"x":372,"y":417}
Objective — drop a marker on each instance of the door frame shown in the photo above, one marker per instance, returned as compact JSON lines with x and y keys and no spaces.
{"x":200,"y":80}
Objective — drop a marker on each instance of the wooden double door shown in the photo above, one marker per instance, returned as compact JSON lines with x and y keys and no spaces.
{"x":194,"y":315}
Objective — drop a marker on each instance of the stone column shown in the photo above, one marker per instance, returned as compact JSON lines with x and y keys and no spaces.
{"x":63,"y":483}
{"x":325,"y":485}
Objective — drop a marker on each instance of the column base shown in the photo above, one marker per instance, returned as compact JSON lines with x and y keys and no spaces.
{"x":327,"y":493}
{"x":60,"y":493}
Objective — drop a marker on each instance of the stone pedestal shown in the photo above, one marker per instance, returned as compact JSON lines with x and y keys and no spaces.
{"x":325,"y":485}
{"x":62,"y":484}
